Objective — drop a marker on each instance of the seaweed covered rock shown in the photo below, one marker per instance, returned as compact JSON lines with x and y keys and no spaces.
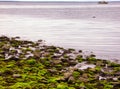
{"x":34,"y":65}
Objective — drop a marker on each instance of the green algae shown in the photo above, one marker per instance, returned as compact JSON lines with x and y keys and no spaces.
{"x":76,"y":74}
{"x":50,"y":67}
{"x":31,"y":61}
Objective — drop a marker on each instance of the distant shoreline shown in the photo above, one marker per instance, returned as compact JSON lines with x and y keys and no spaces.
{"x":56,"y":1}
{"x":53,"y":2}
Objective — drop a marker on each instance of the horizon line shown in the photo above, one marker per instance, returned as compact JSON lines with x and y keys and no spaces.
{"x":56,"y":1}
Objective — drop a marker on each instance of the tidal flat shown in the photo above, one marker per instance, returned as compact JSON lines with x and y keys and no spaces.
{"x":27,"y":64}
{"x":87,"y":26}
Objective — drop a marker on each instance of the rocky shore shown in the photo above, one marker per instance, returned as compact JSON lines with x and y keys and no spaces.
{"x":34,"y":65}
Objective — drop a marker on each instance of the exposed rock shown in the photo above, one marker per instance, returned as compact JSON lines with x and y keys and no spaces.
{"x":41,"y":66}
{"x":1,"y":73}
{"x":17,"y":76}
{"x":12,"y":57}
{"x":17,"y":37}
{"x":67,"y":75}
{"x":36,"y":54}
{"x":64,"y":59}
{"x":92,"y":55}
{"x":115,"y":79}
{"x":80,"y":51}
{"x":102,"y":78}
{"x":117,"y":74}
{"x":6,"y":47}
{"x":46,"y":54}
{"x":4,"y":38}
{"x":85,"y":75}
{"x":84,"y":65}
{"x":83,"y":79}
{"x":7,"y":72}
{"x":32,"y":48}
{"x":57,"y":61}
{"x":72,"y":62}
{"x":93,"y":17}
{"x":7,"y":56}
{"x":28,"y":55}
{"x":71,"y":79}
{"x":52,"y":71}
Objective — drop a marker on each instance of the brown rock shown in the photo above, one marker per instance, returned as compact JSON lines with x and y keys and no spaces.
{"x":52,"y":70}
{"x":36,"y":54}
{"x":85,"y":75}
{"x":71,"y":79}
{"x":67,"y":75}
{"x":83,"y":79}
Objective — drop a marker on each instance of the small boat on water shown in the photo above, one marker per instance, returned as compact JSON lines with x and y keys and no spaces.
{"x":102,"y":2}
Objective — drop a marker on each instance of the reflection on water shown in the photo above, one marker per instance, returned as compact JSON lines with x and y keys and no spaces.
{"x":67,"y":27}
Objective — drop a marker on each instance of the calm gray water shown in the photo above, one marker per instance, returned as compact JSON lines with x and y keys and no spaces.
{"x":87,"y":26}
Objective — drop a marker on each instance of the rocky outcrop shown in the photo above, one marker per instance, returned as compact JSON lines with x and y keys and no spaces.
{"x":34,"y":65}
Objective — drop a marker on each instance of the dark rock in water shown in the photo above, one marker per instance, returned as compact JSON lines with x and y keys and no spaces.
{"x":70,"y":50}
{"x":40,"y":40}
{"x":4,"y":38}
{"x":80,"y":51}
{"x":52,"y":47}
{"x":17,"y":37}
{"x":92,"y":55}
{"x":93,"y":17}
{"x":102,"y":2}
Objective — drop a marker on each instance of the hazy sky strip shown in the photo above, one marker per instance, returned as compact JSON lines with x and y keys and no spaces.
{"x":59,"y":0}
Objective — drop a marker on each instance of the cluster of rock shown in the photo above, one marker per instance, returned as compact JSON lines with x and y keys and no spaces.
{"x":34,"y":65}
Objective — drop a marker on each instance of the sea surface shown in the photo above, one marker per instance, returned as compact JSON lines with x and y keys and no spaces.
{"x":90,"y":27}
